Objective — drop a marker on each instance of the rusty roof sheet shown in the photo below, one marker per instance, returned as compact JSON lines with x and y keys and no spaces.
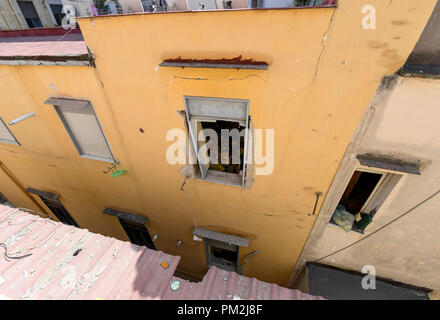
{"x":72,"y":263}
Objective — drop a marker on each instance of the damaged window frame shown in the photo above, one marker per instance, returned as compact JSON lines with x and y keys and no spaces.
{"x":219,"y":262}
{"x":203,"y":172}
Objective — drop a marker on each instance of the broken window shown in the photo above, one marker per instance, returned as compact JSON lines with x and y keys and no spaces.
{"x":83,"y":127}
{"x":219,"y":135}
{"x":6,"y":135}
{"x":52,"y":201}
{"x":364,"y":194}
{"x":30,"y":14}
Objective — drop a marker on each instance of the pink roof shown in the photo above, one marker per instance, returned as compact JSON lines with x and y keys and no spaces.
{"x":218,"y":284}
{"x":71,"y":263}
{"x":65,"y":43}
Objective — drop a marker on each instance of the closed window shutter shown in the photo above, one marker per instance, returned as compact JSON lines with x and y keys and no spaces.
{"x":6,"y":135}
{"x":85,"y":131}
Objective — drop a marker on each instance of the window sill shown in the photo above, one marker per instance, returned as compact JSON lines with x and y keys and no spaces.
{"x":353,"y":229}
{"x":225,"y":178}
{"x":97,"y":158}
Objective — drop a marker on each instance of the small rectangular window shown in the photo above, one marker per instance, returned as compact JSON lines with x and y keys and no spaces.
{"x":137,"y":233}
{"x":53,"y":203}
{"x":364,"y":194}
{"x":6,"y":135}
{"x":222,"y":250}
{"x":219,"y":117}
{"x":134,"y":226}
{"x":221,"y":255}
{"x":83,"y":127}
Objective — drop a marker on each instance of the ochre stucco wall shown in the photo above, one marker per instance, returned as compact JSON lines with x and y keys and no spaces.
{"x":313,"y":94}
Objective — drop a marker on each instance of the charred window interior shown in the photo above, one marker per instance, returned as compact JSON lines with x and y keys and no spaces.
{"x":59,"y":211}
{"x":221,"y":255}
{"x":137,"y":233}
{"x":349,"y":213}
{"x":219,"y":134}
{"x":225,"y":161}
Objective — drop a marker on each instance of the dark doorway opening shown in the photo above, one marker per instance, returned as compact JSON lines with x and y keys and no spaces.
{"x":59,"y":211}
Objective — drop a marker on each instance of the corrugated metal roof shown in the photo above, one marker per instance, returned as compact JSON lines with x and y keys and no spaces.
{"x":71,"y":263}
{"x":225,"y":285}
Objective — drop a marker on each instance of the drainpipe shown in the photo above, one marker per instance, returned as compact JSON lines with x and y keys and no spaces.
{"x":16,"y":15}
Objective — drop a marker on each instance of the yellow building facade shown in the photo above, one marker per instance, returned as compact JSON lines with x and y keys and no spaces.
{"x":323,"y":70}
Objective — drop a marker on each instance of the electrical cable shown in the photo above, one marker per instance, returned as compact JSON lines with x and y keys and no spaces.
{"x":384,"y":226}
{"x":8,"y":256}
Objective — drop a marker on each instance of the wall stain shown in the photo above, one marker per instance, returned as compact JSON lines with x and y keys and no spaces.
{"x":391,"y":54}
{"x":377,"y":44}
{"x":400,"y":22}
